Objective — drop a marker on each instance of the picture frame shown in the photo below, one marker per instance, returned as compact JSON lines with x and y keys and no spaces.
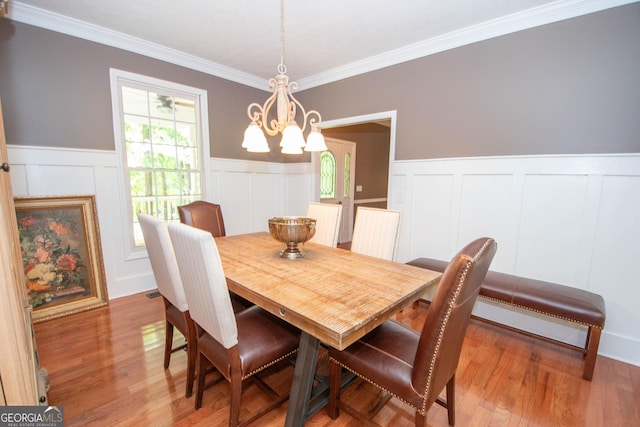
{"x":61,"y":254}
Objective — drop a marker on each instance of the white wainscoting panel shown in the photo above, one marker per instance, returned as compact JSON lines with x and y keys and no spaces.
{"x":250,"y":193}
{"x":568,"y":219}
{"x":267,"y":199}
{"x":615,"y":266}
{"x":572,"y":220}
{"x":235,"y":201}
{"x":432,"y":215}
{"x":550,"y":227}
{"x":19,"y":184}
{"x":485,"y":207}
{"x":298,"y":190}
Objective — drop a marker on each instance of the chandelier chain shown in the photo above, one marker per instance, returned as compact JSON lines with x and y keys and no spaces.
{"x":282,"y":69}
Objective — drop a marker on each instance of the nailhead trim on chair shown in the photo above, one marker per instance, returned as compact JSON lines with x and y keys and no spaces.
{"x":421,"y":411}
{"x":435,"y":352}
{"x":568,"y":319}
{"x":446,"y":320}
{"x":268,"y":364}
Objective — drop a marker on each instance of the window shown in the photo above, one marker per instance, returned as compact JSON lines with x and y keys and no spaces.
{"x":327,"y":175}
{"x":347,"y":175}
{"x":159,"y":128}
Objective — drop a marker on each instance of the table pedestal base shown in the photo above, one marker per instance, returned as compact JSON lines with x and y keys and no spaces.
{"x":305,"y":399}
{"x":302,"y":381}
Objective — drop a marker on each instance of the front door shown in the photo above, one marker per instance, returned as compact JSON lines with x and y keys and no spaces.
{"x":337,"y":171}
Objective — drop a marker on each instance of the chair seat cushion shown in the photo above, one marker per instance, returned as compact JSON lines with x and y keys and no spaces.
{"x":263,"y":340}
{"x":384,"y":356}
{"x":176,"y":318}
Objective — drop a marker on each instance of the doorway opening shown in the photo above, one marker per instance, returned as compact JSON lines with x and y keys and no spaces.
{"x":374,"y":137}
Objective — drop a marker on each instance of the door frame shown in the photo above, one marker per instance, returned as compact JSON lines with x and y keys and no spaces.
{"x":346,"y":223}
{"x":355,"y":120}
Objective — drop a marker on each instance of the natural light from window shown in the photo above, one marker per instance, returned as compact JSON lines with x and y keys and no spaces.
{"x":327,"y":175}
{"x":161,"y":140}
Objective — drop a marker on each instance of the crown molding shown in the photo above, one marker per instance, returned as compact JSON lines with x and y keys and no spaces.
{"x":530,"y":18}
{"x":546,"y":14}
{"x":62,"y":24}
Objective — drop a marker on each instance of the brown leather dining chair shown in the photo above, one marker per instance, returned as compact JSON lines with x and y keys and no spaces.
{"x":208,"y":216}
{"x":416,"y":366}
{"x":238,"y":345}
{"x":203,"y":215}
{"x":165,"y":271}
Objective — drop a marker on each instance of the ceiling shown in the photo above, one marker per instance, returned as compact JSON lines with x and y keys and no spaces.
{"x":325,"y":40}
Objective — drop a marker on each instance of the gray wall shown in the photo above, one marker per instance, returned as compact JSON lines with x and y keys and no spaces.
{"x":55,"y":92}
{"x":570,"y":87}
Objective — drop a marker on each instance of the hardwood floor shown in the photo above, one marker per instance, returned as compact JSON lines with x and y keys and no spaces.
{"x":105,"y":367}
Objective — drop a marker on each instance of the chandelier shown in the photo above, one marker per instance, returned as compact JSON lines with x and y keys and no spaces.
{"x":287,"y":109}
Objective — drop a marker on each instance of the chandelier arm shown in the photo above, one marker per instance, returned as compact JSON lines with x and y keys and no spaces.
{"x":258,"y":113}
{"x":292,"y":109}
{"x":296,"y":104}
{"x":271,"y":127}
{"x":313,"y":121}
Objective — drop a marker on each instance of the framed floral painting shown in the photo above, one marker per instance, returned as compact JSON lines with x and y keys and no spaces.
{"x":61,"y":254}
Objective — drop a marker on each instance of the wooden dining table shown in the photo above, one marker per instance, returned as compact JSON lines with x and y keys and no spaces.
{"x":334,"y":296}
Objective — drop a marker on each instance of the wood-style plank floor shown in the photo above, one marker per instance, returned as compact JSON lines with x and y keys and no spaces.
{"x":105,"y":367}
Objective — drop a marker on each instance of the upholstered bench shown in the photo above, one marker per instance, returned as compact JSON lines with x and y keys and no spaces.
{"x":559,"y":301}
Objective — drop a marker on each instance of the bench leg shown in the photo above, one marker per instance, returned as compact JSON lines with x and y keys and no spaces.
{"x":593,"y":341}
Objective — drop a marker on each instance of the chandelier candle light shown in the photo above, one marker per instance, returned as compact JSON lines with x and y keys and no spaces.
{"x":286,"y":110}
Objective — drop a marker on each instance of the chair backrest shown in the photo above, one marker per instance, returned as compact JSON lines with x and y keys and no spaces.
{"x":448,"y":316}
{"x":376,"y":232}
{"x":204,"y":282}
{"x":203,"y":215}
{"x":163,"y":260}
{"x":328,"y":219}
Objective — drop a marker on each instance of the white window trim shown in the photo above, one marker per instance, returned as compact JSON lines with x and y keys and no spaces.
{"x":116,"y":76}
